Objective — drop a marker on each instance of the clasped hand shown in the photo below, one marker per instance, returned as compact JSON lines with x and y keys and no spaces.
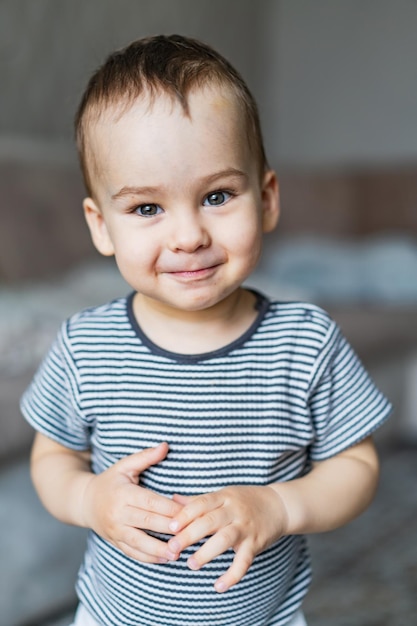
{"x":246,"y":519}
{"x":118,"y":509}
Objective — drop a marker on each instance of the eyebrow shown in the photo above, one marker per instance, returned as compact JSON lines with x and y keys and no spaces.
{"x":212,"y":178}
{"x":133,"y":191}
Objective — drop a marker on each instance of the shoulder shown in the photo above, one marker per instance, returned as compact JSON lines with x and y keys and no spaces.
{"x":113,"y":310}
{"x":300,"y":317}
{"x":110,"y":317}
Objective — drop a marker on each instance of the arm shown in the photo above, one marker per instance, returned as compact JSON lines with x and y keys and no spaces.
{"x":335,"y":492}
{"x":249,"y":519}
{"x":111,"y":503}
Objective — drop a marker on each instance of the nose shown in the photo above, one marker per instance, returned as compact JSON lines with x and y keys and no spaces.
{"x":188,"y":232}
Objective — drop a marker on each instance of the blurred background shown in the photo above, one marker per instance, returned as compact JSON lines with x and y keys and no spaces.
{"x":336,"y":84}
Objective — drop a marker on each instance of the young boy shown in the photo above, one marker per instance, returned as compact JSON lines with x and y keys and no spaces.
{"x":196,"y":428}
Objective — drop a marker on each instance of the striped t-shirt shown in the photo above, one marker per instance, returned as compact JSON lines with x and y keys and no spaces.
{"x":257,"y":411}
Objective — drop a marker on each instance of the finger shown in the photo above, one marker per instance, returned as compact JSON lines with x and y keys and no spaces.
{"x":216,"y":545}
{"x":134,"y":464}
{"x":148,"y":500}
{"x":146,"y":520}
{"x":138,"y":544}
{"x":184,"y":500}
{"x":197,"y":507}
{"x":241,"y":563}
{"x":138,"y":555}
{"x":202,"y":527}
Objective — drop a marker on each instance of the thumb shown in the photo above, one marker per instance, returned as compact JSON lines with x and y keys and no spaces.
{"x":134,"y":464}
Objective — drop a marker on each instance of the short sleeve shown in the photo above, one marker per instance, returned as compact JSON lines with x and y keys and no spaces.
{"x":51,"y":403}
{"x":344,"y":403}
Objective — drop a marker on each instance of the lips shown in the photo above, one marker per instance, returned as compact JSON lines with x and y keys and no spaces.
{"x":191,"y":270}
{"x":193,"y":265}
{"x":194,"y":270}
{"x":199,"y":272}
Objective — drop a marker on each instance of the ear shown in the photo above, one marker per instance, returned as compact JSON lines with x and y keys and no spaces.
{"x":270,"y":201}
{"x":98,"y":227}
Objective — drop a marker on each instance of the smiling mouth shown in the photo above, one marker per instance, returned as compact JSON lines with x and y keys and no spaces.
{"x":195,"y":274}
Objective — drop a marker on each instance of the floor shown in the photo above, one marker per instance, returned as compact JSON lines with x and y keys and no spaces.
{"x":366,"y":573}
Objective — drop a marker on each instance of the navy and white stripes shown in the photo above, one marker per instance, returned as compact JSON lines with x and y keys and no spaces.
{"x":290,"y":391}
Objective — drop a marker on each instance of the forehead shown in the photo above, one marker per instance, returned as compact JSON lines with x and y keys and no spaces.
{"x":212,"y":116}
{"x":215,"y":103}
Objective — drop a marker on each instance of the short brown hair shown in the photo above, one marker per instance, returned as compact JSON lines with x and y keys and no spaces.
{"x":162,"y":64}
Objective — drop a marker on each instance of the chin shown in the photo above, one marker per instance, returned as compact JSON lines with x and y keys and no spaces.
{"x":195,"y":306}
{"x":203,"y":303}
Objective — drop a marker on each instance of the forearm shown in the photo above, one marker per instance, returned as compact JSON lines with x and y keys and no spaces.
{"x":61,"y":477}
{"x":333,"y":493}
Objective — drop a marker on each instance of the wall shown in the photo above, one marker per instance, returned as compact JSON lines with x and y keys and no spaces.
{"x":50,"y":47}
{"x":335,"y":79}
{"x":341,"y":86}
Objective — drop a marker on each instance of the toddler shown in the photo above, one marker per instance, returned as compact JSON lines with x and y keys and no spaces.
{"x":196,"y":427}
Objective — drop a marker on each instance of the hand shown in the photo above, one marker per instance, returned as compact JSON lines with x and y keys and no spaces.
{"x":245,"y":518}
{"x":120,"y":510}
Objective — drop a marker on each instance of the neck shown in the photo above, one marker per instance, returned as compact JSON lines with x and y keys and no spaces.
{"x":195,"y":332}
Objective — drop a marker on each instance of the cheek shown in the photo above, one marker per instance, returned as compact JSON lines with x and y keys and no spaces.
{"x":132,"y":251}
{"x":246,"y":239}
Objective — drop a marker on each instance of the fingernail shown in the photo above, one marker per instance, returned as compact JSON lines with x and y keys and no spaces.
{"x":174,"y":545}
{"x":162,"y":560}
{"x":220,"y":586}
{"x":171,"y":556}
{"x":173,"y":525}
{"x":192,"y":563}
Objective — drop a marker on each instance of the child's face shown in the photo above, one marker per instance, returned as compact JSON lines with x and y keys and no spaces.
{"x":179,"y":200}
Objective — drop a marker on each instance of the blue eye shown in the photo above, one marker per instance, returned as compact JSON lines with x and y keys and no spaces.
{"x":148,"y":210}
{"x":217,"y":198}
